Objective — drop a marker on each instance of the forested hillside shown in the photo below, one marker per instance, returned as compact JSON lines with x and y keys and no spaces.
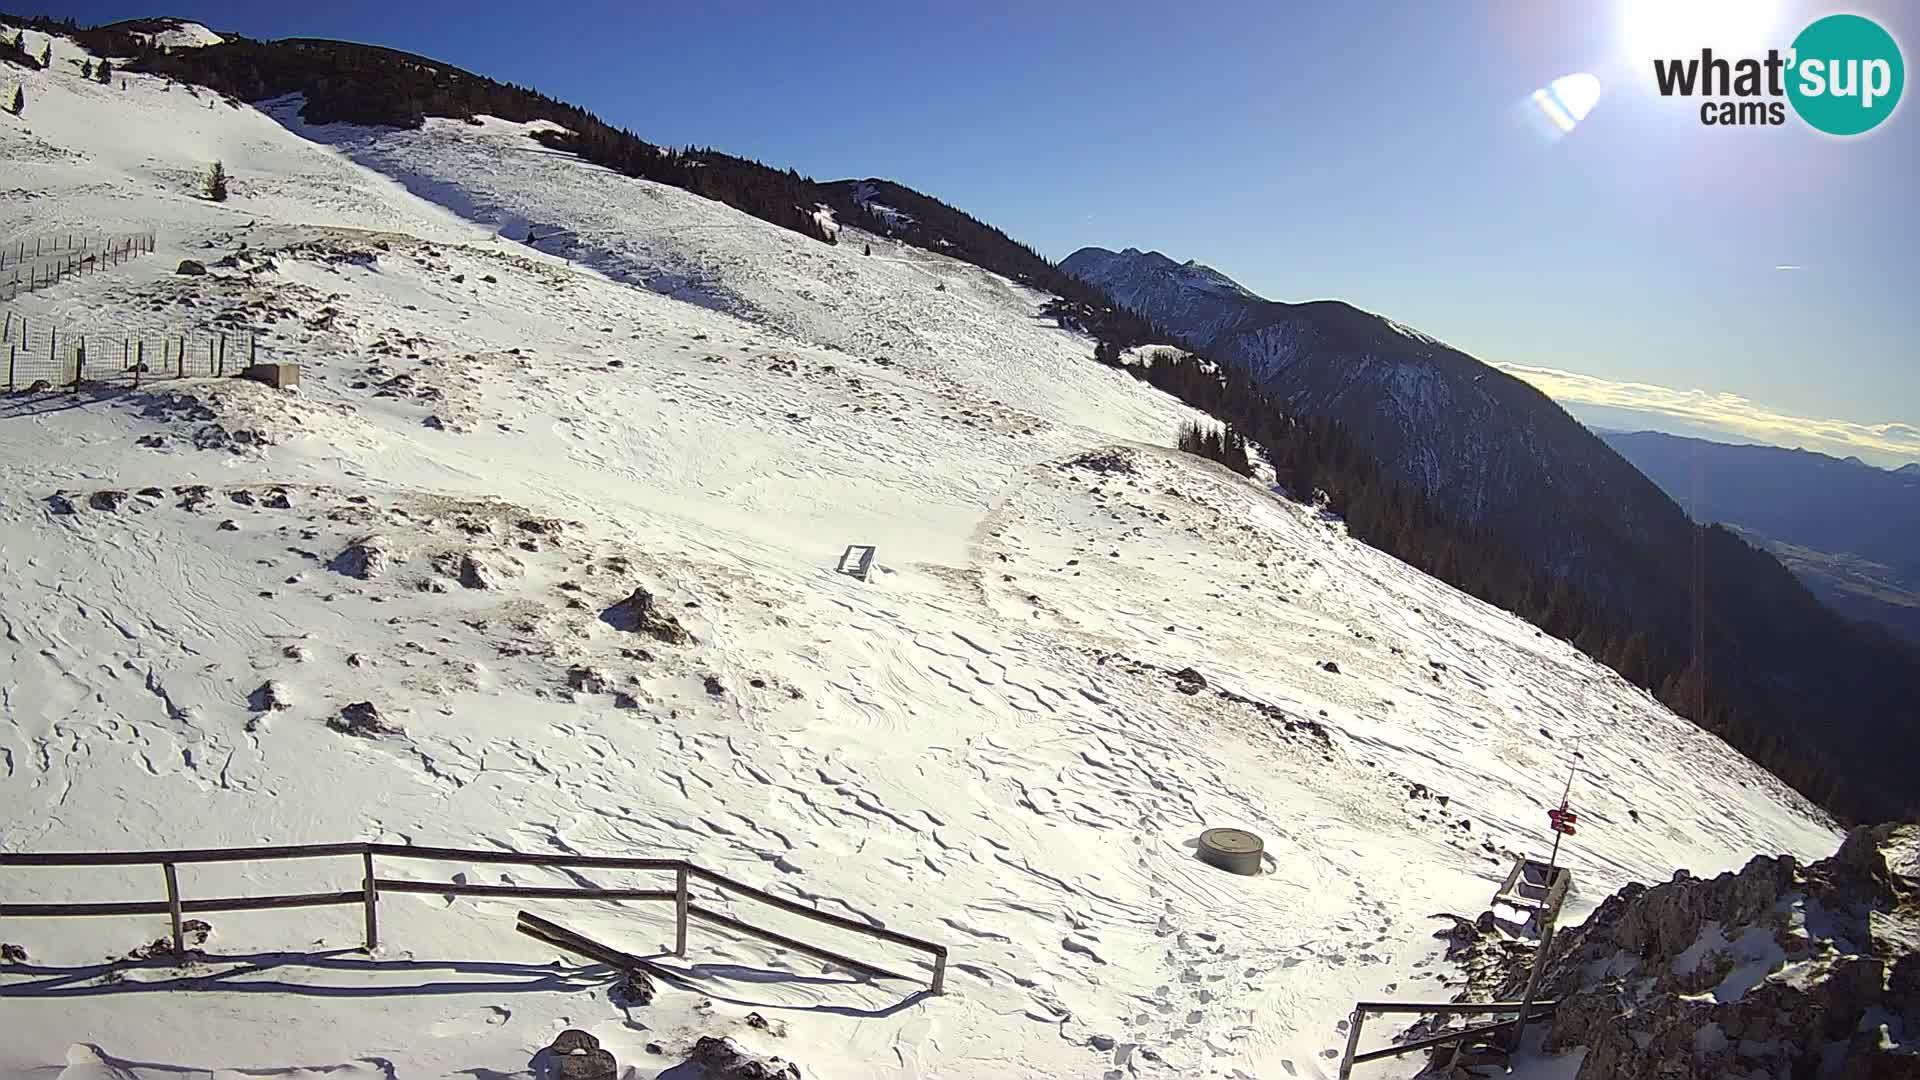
{"x":1825,"y":737}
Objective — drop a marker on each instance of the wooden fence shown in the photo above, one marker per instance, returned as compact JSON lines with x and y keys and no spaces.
{"x":32,"y":353}
{"x":27,"y":266}
{"x":371,"y":885}
{"x":1524,"y":1012}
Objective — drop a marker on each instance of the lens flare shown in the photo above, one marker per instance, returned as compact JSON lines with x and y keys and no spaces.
{"x":1558,"y":107}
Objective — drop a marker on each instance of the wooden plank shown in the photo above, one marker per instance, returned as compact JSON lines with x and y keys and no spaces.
{"x":1439,"y":1040}
{"x":562,"y":938}
{"x":529,"y":892}
{"x":189,"y":907}
{"x":817,"y":915}
{"x":517,"y":858}
{"x":814,"y":951}
{"x":190,"y":855}
{"x":1464,"y":1008}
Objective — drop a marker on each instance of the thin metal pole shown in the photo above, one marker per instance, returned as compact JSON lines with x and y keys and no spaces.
{"x":173,"y":913}
{"x":1553,"y":860}
{"x":680,"y":912}
{"x":372,"y":901}
{"x":10,"y":351}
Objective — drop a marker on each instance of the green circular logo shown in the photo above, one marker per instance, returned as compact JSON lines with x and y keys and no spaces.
{"x":1847,"y":74}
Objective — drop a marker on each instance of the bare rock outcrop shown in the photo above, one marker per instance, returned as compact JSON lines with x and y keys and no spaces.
{"x":365,"y":558}
{"x":721,"y":1058}
{"x":638,"y":614}
{"x":1778,"y":970}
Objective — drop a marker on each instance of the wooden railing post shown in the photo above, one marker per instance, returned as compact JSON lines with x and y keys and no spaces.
{"x":940,"y":973}
{"x":1354,"y":1020}
{"x":1533,"y":985}
{"x":680,"y":911}
{"x":173,"y":913}
{"x":373,"y":901}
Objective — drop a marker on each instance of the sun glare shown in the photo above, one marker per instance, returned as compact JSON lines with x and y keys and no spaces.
{"x":1560,"y":105}
{"x":1653,"y":29}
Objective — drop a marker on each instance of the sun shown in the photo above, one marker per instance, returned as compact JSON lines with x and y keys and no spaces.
{"x":1658,"y":29}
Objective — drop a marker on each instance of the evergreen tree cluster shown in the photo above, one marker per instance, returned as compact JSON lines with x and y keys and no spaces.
{"x":118,"y":39}
{"x":13,"y":50}
{"x":1318,"y":460}
{"x":1222,"y":444}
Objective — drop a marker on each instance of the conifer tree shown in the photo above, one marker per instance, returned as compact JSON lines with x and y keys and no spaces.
{"x":217,"y":182}
{"x":104,"y":73}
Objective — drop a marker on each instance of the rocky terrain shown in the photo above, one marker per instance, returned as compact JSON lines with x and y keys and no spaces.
{"x":1783,"y":969}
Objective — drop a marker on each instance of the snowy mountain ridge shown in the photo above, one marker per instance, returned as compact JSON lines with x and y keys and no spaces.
{"x":1080,"y":647}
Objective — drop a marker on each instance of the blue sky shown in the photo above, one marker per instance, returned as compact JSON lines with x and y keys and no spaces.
{"x":1369,"y":152}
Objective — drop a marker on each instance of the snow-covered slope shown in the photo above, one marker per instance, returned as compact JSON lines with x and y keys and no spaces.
{"x":987,"y":745}
{"x":166,"y":33}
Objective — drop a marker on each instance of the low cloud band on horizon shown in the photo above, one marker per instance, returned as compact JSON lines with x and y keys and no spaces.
{"x":1727,"y":412}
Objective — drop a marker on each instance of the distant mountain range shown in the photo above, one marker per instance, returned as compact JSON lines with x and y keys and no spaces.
{"x":1849,"y":530}
{"x":1505,"y":458}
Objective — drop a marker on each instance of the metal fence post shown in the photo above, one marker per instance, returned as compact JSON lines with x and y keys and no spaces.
{"x":372,"y":901}
{"x":139,"y":360}
{"x":173,"y":912}
{"x":10,"y":351}
{"x":680,"y":912}
{"x":79,"y":362}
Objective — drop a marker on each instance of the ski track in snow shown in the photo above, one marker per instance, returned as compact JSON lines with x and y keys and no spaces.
{"x":984,"y":746}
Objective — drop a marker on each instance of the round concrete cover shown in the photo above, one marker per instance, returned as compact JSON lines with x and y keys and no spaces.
{"x":1231,"y":849}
